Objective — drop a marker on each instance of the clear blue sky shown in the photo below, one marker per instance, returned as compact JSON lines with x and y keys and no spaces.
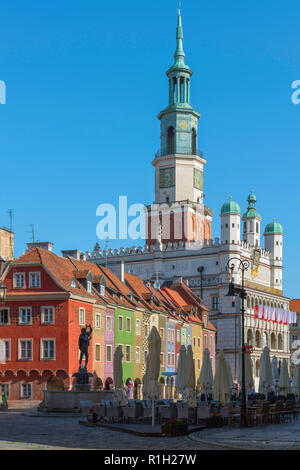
{"x":85,"y":81}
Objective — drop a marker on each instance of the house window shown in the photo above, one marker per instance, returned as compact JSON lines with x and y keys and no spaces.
{"x":25,"y":349}
{"x":108,"y":323}
{"x":73,"y":284}
{"x":98,"y":320}
{"x":194,"y":341}
{"x":120,"y":323}
{"x":6,"y":349}
{"x":128,"y":354}
{"x":205,"y":340}
{"x":189,"y":339}
{"x":19,"y":280}
{"x":4,"y":388}
{"x":215,"y":303}
{"x":26,"y":390}
{"x":34,"y":280}
{"x":97,"y":352}
{"x":211,"y":341}
{"x":199,"y":364}
{"x":25,"y":315}
{"x":137,"y":327}
{"x":162,"y":333}
{"x":81,"y":316}
{"x":183,"y":338}
{"x":178,"y":336}
{"x":102,"y":290}
{"x":48,"y":349}
{"x":128,"y":325}
{"x":47,"y":314}
{"x":173,"y":359}
{"x":199,"y":342}
{"x":161,"y":359}
{"x":4,"y":316}
{"x":89,"y":286}
{"x":169,"y":360}
{"x":108,"y":353}
{"x":137,"y":354}
{"x":173,"y":335}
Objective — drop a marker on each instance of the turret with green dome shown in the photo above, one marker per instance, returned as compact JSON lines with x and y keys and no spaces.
{"x":273,"y":227}
{"x":230,"y":207}
{"x":251,"y":219}
{"x":230,"y":222}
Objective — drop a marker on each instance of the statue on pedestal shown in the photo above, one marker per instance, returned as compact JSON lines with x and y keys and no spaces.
{"x":84,"y":342}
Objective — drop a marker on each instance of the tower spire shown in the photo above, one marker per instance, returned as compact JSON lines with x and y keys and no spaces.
{"x":179,"y":53}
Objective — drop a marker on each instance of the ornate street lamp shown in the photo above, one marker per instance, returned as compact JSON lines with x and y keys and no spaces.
{"x":3,"y":292}
{"x":234,"y":290}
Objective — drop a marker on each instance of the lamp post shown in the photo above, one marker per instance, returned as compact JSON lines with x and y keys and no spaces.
{"x":234,"y":290}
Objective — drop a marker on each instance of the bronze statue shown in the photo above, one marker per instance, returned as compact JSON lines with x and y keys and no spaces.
{"x":84,"y":341}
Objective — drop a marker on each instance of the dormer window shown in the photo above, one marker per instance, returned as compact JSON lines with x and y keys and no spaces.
{"x":73,"y":284}
{"x":102,"y":290}
{"x":89,"y":286}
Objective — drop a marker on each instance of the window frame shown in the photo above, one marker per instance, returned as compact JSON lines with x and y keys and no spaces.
{"x":81,"y":309}
{"x":34,"y":273}
{"x":42,"y":341}
{"x":48,"y":307}
{"x":15,"y":275}
{"x":28,"y":340}
{"x":8,"y":315}
{"x":23,"y":308}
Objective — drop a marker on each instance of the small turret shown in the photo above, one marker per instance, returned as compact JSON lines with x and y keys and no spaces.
{"x":230,"y":222}
{"x":273,"y":235}
{"x":252,"y":220}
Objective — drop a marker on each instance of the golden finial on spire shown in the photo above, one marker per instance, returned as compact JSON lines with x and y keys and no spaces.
{"x":230,"y":197}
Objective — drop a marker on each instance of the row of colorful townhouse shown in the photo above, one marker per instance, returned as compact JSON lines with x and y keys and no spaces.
{"x":49,"y":300}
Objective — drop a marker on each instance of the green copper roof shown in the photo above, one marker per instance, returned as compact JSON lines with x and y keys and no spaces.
{"x":273,"y":227}
{"x":230,"y":207}
{"x":251,"y":211}
{"x":179,"y":53}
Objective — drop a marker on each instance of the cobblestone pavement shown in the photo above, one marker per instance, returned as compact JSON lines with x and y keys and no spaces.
{"x":43,"y":433}
{"x":270,"y":437}
{"x":46,"y":433}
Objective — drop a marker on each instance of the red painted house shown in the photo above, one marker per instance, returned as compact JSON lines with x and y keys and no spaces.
{"x":40,"y":321}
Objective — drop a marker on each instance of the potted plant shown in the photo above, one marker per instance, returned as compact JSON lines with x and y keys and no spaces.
{"x":214,"y":421}
{"x":174,"y":427}
{"x":92,"y":416}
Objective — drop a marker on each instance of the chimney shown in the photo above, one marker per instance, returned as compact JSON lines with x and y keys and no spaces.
{"x":122,"y":275}
{"x":45,"y":245}
{"x":72,"y":253}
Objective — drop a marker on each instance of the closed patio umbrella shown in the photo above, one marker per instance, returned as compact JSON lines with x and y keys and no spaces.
{"x":275,"y":371}
{"x":221,"y":381}
{"x":266,"y":378}
{"x":284,"y":383}
{"x":249,"y":382}
{"x":118,"y":376}
{"x":118,"y":369}
{"x":146,"y":381}
{"x":206,"y":380}
{"x":230,"y":379}
{"x":296,"y":380}
{"x":154,"y":342}
{"x":181,"y":365}
{"x":190,"y":379}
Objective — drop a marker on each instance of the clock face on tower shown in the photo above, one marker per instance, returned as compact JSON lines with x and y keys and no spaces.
{"x":198,"y":179}
{"x":167,"y":177}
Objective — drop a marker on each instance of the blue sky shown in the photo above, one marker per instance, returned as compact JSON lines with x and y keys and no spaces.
{"x":85,"y":81}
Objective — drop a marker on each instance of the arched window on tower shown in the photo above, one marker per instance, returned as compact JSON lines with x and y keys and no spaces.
{"x":194,"y":142}
{"x":171,"y":141}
